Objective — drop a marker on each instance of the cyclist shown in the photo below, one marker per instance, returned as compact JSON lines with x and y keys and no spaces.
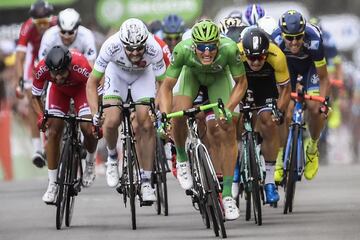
{"x":253,"y":13}
{"x":130,"y":57}
{"x":67,"y":73}
{"x":214,"y":62}
{"x":268,"y":78}
{"x":71,"y":34}
{"x":235,"y":14}
{"x":303,"y":47}
{"x":29,"y":39}
{"x":234,"y":25}
{"x":173,"y":27}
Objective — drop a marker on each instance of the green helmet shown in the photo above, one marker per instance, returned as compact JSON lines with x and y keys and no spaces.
{"x":205,"y":31}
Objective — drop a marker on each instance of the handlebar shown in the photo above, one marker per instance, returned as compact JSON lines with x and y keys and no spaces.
{"x":67,"y":117}
{"x":324,"y":100}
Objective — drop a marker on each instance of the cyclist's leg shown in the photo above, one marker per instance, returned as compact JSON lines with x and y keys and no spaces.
{"x":270,"y":134}
{"x":83,"y":110}
{"x":315,"y":123}
{"x":223,"y":142}
{"x":115,"y":89}
{"x":56,"y":103}
{"x":184,"y":93}
{"x":141,"y":89}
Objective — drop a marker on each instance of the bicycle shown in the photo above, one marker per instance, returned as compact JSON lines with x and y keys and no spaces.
{"x":70,"y":171}
{"x":294,"y":157}
{"x":130,"y":180}
{"x":206,"y":187}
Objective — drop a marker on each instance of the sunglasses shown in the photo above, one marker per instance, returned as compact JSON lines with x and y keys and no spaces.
{"x":260,"y":57}
{"x":203,"y":47}
{"x":174,"y":36}
{"x":133,"y":48}
{"x":63,"y":32}
{"x":296,"y":37}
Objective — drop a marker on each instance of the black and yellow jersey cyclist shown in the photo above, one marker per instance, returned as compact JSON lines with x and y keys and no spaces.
{"x":268,"y":78}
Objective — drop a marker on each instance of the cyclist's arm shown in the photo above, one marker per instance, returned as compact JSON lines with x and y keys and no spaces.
{"x":324,"y":80}
{"x":91,"y":90}
{"x":165,"y":92}
{"x":237,"y":92}
{"x":37,"y":104}
{"x":284,"y":96}
{"x":19,"y":64}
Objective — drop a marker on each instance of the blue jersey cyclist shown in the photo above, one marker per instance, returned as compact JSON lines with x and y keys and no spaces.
{"x":303,"y":46}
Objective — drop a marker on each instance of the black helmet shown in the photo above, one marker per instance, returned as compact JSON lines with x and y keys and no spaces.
{"x":41,"y":9}
{"x":58,"y":58}
{"x":292,"y":22}
{"x":255,"y":42}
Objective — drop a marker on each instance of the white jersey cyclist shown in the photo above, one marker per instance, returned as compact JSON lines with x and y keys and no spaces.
{"x":84,"y":42}
{"x":120,"y":72}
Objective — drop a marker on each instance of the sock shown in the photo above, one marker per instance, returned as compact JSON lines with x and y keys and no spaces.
{"x":112,"y":153}
{"x":146,"y":176}
{"x":227,"y":184}
{"x":181,"y":155}
{"x":270,"y":167}
{"x":313,"y":145}
{"x":52,"y":175}
{"x":37,"y":146}
{"x":90,"y":157}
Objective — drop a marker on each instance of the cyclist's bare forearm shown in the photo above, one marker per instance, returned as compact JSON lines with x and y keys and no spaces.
{"x":165,"y":92}
{"x":92,"y":94}
{"x":237,"y":92}
{"x":37,"y":105}
{"x":19,"y":64}
{"x":324,"y":81}
{"x":284,"y":97}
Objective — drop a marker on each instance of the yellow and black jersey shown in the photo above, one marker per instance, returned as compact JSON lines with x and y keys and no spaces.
{"x":264,"y":82}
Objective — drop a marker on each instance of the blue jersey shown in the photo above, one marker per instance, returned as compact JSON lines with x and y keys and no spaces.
{"x":304,"y":63}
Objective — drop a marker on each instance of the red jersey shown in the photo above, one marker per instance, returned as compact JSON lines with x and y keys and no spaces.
{"x":79,"y":73}
{"x":165,"y":49}
{"x":29,"y":34}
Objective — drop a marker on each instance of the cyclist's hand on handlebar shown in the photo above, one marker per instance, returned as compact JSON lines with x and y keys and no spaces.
{"x":96,"y":120}
{"x":278,"y":116}
{"x":164,"y":130}
{"x":325,"y":107}
{"x":225,"y":115}
{"x":41,"y":123}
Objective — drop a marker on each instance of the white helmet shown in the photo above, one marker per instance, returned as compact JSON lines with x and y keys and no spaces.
{"x":229,"y":22}
{"x":133,"y":32}
{"x":268,"y":24}
{"x":69,"y":19}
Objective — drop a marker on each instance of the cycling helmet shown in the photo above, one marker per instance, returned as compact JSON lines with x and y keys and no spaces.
{"x":228,"y":22}
{"x":41,"y":9}
{"x":133,"y":32}
{"x":268,"y":24}
{"x":235,"y":14}
{"x":155,"y":26}
{"x":255,"y":42}
{"x":205,"y":31}
{"x":69,"y":19}
{"x":173,"y":24}
{"x":292,"y":22}
{"x":253,"y":13}
{"x":58,"y":58}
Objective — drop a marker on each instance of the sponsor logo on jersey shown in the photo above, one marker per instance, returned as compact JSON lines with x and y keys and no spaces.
{"x":151,"y":51}
{"x":314,"y":45}
{"x":159,"y":65}
{"x":113,"y":48}
{"x":314,"y":79}
{"x":101,"y":62}
{"x":41,"y":71}
{"x":90,"y":52}
{"x":81,"y":70}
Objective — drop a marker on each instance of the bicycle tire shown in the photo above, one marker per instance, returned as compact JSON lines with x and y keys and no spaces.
{"x":61,"y":181}
{"x":73,"y":182}
{"x":131,"y":192}
{"x":255,"y":185}
{"x":162,"y":201}
{"x":248,"y":205}
{"x":291,"y":173}
{"x":213,"y":199}
{"x":198,"y":186}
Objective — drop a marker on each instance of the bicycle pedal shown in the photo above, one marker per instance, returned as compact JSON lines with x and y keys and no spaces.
{"x":189,"y":192}
{"x":119,"y":189}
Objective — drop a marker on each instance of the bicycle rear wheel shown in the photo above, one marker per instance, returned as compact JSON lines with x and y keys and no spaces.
{"x":62,"y":180}
{"x":215,"y":206}
{"x":255,"y":183}
{"x":291,"y":173}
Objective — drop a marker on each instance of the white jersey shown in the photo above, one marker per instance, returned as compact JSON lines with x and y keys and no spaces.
{"x":113,"y":51}
{"x":84,"y":42}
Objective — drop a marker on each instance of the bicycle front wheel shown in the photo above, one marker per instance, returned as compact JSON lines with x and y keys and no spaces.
{"x":161,"y":184}
{"x":291,"y":173}
{"x":216,"y":210}
{"x":131,"y":192}
{"x":255,"y":182}
{"x":62,"y":179}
